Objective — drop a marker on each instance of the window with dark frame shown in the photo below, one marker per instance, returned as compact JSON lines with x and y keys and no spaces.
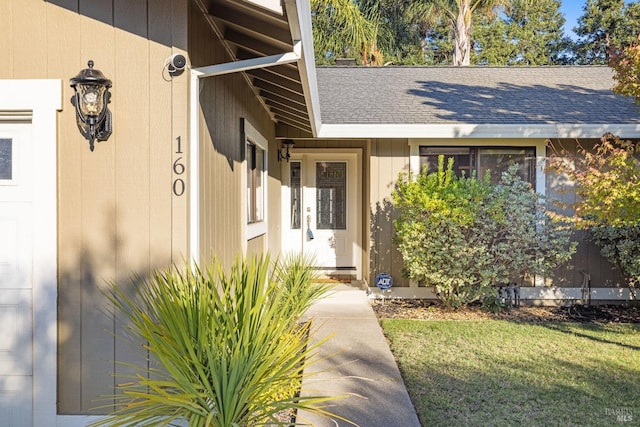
{"x":478,"y":161}
{"x":255,"y":191}
{"x":296,"y":194}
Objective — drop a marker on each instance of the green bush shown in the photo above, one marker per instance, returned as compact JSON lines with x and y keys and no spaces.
{"x":620,"y":244}
{"x":225,"y":349}
{"x":464,"y":236}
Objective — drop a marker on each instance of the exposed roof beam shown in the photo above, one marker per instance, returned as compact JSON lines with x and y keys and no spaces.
{"x":254,"y":45}
{"x":282,"y":100}
{"x":263,"y":75}
{"x":247,"y":64}
{"x":248,"y":21}
{"x":276,"y":90}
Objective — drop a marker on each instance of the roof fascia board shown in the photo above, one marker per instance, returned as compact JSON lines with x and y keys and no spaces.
{"x":429,"y":131}
{"x":299,"y":15}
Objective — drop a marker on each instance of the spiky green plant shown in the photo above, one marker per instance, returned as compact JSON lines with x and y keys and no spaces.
{"x":298,"y":285}
{"x":224,"y":352}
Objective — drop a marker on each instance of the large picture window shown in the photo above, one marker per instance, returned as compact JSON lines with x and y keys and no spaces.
{"x":482,"y":160}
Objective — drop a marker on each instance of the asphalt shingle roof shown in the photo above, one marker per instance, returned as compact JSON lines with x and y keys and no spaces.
{"x":472,"y":95}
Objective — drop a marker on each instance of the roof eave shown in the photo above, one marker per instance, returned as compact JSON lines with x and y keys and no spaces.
{"x":299,"y":15}
{"x":432,"y":131}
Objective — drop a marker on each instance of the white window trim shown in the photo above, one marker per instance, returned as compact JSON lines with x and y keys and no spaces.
{"x":252,"y":135}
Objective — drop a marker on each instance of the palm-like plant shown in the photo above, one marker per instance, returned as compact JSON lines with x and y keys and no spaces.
{"x":224,"y":348}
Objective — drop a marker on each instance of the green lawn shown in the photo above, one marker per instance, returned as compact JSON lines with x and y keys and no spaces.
{"x":500,"y":373}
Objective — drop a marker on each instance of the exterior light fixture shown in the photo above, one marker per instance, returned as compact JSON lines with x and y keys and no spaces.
{"x":284,"y":153}
{"x":91,"y":96}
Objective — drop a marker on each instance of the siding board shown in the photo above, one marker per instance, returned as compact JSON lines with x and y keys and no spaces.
{"x":179,"y":127}
{"x":162,"y":145}
{"x":7,"y":40}
{"x":63,"y":32}
{"x":132,"y":155}
{"x":29,"y":27}
{"x":98,"y":218}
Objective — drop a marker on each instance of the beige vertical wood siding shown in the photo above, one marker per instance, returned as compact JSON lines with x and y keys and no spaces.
{"x":225,"y":100}
{"x":389,"y":158}
{"x":117,"y":214}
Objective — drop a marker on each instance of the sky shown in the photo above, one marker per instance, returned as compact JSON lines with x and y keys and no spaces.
{"x":572,"y":10}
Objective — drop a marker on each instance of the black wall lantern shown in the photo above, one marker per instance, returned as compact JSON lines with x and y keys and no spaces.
{"x":283,"y":153}
{"x":91,"y":97}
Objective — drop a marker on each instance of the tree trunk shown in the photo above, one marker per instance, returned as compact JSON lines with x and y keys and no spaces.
{"x":462,"y":35}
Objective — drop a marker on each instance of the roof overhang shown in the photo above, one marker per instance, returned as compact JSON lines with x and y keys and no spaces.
{"x":272,"y":47}
{"x":431,"y":131}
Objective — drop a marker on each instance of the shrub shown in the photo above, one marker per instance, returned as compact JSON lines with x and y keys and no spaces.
{"x":464,"y":235}
{"x":223,"y":352}
{"x":606,"y":182}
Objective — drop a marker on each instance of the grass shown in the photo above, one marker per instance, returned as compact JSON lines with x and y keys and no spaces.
{"x":500,"y":373}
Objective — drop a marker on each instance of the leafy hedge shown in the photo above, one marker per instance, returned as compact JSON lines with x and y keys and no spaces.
{"x":464,"y":235}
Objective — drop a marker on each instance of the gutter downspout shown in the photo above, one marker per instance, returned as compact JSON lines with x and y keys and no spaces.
{"x":194,"y":126}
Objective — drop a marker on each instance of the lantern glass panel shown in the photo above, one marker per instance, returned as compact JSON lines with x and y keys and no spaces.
{"x":91,"y":99}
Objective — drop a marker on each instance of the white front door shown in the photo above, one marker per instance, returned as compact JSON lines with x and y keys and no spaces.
{"x":16,"y":274}
{"x":322,"y":209}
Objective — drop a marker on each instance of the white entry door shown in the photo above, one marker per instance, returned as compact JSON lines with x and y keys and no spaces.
{"x":322,"y":209}
{"x":16,"y":275}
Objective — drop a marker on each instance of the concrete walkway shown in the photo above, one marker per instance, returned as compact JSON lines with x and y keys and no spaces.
{"x":356,"y":362}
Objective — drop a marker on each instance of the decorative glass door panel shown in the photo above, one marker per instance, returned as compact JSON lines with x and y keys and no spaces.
{"x":331,"y":195}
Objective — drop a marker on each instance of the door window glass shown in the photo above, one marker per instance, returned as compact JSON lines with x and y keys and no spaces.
{"x":331,"y":195}
{"x":6,"y":159}
{"x":296,"y":195}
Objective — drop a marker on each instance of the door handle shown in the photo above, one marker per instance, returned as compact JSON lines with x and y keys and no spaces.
{"x":309,"y":232}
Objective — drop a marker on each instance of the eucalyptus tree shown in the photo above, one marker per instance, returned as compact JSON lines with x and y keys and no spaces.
{"x":459,"y":14}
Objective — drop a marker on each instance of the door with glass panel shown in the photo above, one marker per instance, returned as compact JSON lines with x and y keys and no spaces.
{"x":322,"y":207}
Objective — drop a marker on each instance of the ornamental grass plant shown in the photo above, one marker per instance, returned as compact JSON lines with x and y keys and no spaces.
{"x":225,"y":348}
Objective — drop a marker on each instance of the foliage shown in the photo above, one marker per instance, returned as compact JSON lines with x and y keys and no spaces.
{"x":621,"y":246}
{"x":606,"y":181}
{"x":341,"y":30}
{"x":464,"y":235}
{"x":223,"y":352}
{"x":604,"y":27}
{"x":401,"y":28}
{"x":298,"y":285}
{"x":505,"y":373}
{"x":527,"y":33}
{"x":626,"y":67}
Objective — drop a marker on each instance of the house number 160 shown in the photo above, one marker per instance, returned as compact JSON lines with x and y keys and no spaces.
{"x":178,"y":169}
